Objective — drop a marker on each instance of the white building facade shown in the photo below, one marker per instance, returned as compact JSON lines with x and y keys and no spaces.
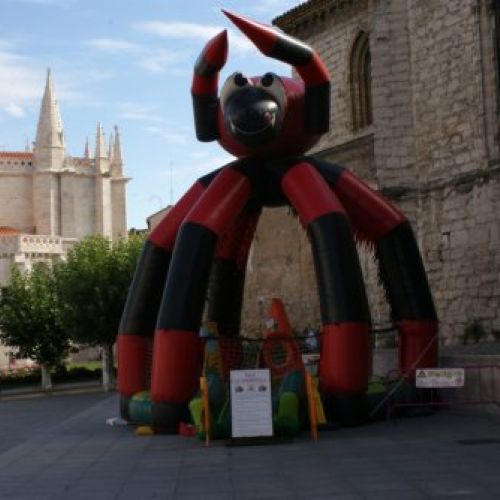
{"x":50,"y":199}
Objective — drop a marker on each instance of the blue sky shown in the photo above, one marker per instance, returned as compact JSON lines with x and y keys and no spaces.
{"x":129,"y":63}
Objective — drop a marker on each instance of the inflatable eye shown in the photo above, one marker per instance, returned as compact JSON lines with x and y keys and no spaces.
{"x":232,"y":84}
{"x":240,"y":80}
{"x":273,"y":85}
{"x":267,"y":79}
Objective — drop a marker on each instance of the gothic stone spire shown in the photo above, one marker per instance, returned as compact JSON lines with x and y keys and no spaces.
{"x":86,"y":153}
{"x":110,"y":147}
{"x":100,"y":143}
{"x":49,"y":133}
{"x":117,"y":148}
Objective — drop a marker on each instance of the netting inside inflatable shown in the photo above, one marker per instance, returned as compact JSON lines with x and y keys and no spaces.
{"x":284,"y":356}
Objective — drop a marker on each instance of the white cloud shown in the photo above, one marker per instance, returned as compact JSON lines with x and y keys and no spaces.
{"x":73,"y":83}
{"x":193,"y":31}
{"x":178,"y":29}
{"x":151,"y":59}
{"x":171,"y":137}
{"x":135,"y":111}
{"x":112,"y":45}
{"x":159,"y":61}
{"x":21,"y":83}
{"x":14,"y":110}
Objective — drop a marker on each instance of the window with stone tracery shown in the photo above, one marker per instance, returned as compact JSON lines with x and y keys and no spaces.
{"x":360,"y":83}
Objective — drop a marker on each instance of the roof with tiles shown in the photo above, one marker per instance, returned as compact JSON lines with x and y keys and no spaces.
{"x":8,"y":231}
{"x":18,"y":155}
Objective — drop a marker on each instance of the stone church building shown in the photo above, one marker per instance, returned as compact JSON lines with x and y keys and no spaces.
{"x":50,"y":199}
{"x":415,"y":113}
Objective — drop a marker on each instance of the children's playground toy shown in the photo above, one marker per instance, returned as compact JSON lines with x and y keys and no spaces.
{"x":287,"y":377}
{"x":268,"y":122}
{"x":280,"y":351}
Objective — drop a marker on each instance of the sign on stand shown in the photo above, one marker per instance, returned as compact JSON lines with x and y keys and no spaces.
{"x":251,"y":408}
{"x":435,"y":378}
{"x":311,"y":363}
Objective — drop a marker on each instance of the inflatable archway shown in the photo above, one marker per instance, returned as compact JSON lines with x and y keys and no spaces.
{"x":268,"y":122}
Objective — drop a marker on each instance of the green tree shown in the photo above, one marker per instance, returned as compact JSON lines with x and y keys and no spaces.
{"x":30,"y":319}
{"x":93,"y":284}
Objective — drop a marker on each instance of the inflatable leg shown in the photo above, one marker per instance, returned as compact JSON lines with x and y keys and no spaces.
{"x":376,"y":220}
{"x":177,"y":349}
{"x":405,"y":280}
{"x":138,"y":320}
{"x":345,"y":356}
{"x":227,"y":282}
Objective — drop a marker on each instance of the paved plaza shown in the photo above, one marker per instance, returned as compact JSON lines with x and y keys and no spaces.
{"x":59,"y":447}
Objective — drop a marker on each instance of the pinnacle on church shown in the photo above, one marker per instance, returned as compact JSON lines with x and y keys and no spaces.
{"x":111,"y":147}
{"x":117,"y":148}
{"x":86,"y":153}
{"x":100,"y":143}
{"x":49,"y":132}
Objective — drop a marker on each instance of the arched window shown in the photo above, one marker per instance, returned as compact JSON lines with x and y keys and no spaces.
{"x":361,"y":83}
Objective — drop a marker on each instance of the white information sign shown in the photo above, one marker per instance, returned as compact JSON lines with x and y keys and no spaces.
{"x":251,"y":408}
{"x":434,"y":378}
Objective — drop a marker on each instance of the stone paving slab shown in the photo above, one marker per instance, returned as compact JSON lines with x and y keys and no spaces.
{"x":59,"y":447}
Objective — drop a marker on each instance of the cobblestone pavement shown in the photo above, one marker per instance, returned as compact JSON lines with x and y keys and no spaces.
{"x":59,"y":447}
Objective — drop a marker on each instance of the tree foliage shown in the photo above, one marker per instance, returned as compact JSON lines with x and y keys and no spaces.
{"x":79,"y":300}
{"x":30,"y":317}
{"x":92,"y":284}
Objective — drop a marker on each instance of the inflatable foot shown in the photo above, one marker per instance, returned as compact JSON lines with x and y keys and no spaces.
{"x":124,"y":410}
{"x":166,"y":416}
{"x":346,"y":409}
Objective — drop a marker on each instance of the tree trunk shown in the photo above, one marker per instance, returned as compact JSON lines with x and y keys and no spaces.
{"x":108,"y":368}
{"x":46,"y":380}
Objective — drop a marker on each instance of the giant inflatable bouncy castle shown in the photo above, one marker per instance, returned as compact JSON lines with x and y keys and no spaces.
{"x":200,"y":248}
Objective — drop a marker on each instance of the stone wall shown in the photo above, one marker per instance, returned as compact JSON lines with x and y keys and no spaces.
{"x":456,"y":143}
{"x":447,"y":77}
{"x":432,"y":149}
{"x":84,"y":201}
{"x":461,"y":247}
{"x":280,"y":265}
{"x":118,"y":208}
{"x":62,"y":202}
{"x":393,"y":106}
{"x":16,"y":193}
{"x":46,"y":202}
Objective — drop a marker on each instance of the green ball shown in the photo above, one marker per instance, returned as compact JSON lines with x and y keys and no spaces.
{"x":140,"y":408}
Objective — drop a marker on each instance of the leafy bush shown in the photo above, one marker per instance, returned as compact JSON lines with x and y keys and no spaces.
{"x":75,"y":373}
{"x":31,"y":376}
{"x":30,"y":317}
{"x":21,"y":377}
{"x":474,"y":331}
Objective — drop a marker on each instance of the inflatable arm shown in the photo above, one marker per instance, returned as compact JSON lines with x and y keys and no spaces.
{"x":204,"y":88}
